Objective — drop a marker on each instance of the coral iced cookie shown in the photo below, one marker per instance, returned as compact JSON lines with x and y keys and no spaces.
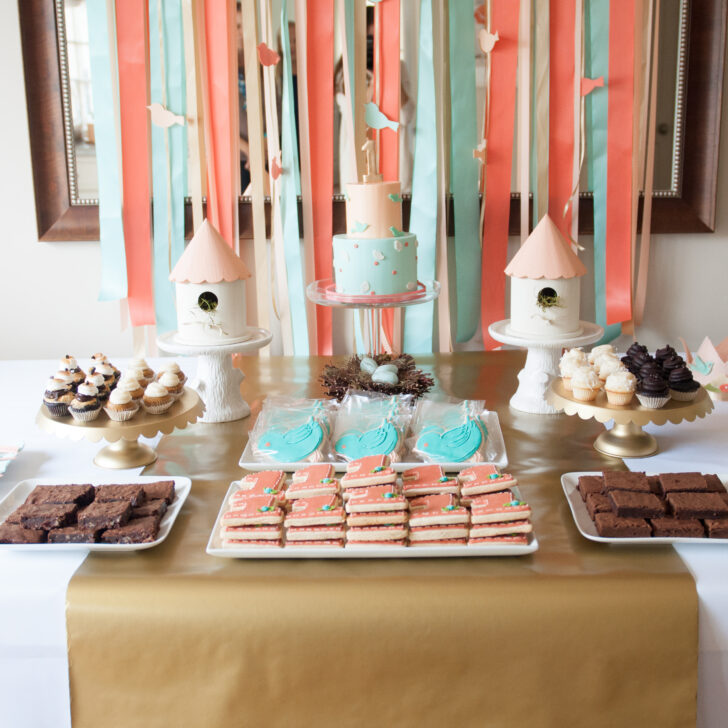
{"x":377,"y":534}
{"x":436,"y":510}
{"x":266,"y":482}
{"x":371,"y":470}
{"x":515,"y":540}
{"x":315,"y":480}
{"x":507,"y":528}
{"x":437,"y":534}
{"x":320,"y":511}
{"x":427,"y":480}
{"x":334,"y":531}
{"x":498,"y":507}
{"x":251,"y":533}
{"x":376,"y":506}
{"x":483,"y":479}
{"x":254,"y":509}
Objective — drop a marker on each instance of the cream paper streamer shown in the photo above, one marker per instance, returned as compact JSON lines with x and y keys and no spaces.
{"x":579,"y":130}
{"x":525,"y":28}
{"x":541,"y":132}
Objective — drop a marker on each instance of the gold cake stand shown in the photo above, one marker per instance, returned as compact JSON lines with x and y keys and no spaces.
{"x":627,"y":439}
{"x":125,"y":450}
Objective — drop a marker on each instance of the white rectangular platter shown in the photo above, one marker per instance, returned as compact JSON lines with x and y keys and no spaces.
{"x":586,"y":526}
{"x":248,"y":462}
{"x":215,"y":548}
{"x":21,"y":491}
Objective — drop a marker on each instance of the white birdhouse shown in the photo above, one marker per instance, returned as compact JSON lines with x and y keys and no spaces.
{"x":209,"y":280}
{"x":545,"y":275}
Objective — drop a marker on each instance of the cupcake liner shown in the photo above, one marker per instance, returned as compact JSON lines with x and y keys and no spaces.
{"x":619,"y":398}
{"x":684,"y":396}
{"x":120,"y":415}
{"x":585,"y":394}
{"x":566,"y":381}
{"x":176,"y":395}
{"x":157,"y":409}
{"x":652,"y":401}
{"x":57,"y":409}
{"x":85,"y":415}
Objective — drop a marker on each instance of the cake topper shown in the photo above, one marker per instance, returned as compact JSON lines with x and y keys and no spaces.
{"x":369,"y":149}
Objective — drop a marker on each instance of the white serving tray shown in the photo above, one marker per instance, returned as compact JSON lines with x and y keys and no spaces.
{"x":586,"y":526}
{"x":215,"y":548}
{"x":21,"y":491}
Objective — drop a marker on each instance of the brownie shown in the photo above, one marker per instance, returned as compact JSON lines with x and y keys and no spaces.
{"x":677,"y":528}
{"x":682,"y":482}
{"x":697,"y":505}
{"x":589,"y":484}
{"x":81,"y":495}
{"x":104,"y":514}
{"x":597,"y":503}
{"x":14,"y":517}
{"x":156,"y":508}
{"x":134,"y":494}
{"x":624,"y":480}
{"x":161,"y":489}
{"x":12,"y":533}
{"x":140,"y":530}
{"x":611,"y":526}
{"x":654,"y":483}
{"x":714,"y":483}
{"x":48,"y":515}
{"x":73,"y":534}
{"x":630,"y":504}
{"x":716,"y":527}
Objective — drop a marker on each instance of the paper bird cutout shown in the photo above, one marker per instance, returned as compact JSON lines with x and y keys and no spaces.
{"x":267,"y":56}
{"x":376,"y":119}
{"x":589,"y":84}
{"x":275,"y":168}
{"x":359,"y":227}
{"x":164,"y":117}
{"x":487,"y":40}
{"x":709,"y":364}
{"x":394,"y":197}
{"x":397,"y":233}
{"x":479,"y":152}
{"x":700,"y":366}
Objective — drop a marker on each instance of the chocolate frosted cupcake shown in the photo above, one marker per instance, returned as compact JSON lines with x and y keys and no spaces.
{"x":664,"y":353}
{"x":631,"y":366}
{"x":57,"y":397}
{"x":682,"y":385}
{"x":635,"y":348}
{"x":70,"y":365}
{"x":85,"y":405}
{"x":641,"y":358}
{"x":650,"y":367}
{"x":672,"y":362}
{"x":653,"y":392}
{"x":98,"y":381}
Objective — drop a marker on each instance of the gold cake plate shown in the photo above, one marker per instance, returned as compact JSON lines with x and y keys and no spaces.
{"x":125,"y":451}
{"x":627,"y":439}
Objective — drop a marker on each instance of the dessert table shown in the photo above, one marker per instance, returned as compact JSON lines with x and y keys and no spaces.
{"x":575,"y":633}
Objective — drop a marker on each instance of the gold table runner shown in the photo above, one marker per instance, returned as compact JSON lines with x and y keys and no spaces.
{"x":576,"y":634}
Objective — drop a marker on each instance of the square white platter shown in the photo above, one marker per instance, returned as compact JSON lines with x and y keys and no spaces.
{"x":215,"y":547}
{"x":16,"y":497}
{"x":587,"y":529}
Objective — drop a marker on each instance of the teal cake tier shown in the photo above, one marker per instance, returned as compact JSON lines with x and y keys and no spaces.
{"x":375,"y":266}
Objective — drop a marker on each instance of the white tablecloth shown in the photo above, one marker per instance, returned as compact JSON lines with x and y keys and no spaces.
{"x":33,"y":649}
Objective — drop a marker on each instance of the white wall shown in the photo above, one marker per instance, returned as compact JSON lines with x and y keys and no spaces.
{"x":48,"y":291}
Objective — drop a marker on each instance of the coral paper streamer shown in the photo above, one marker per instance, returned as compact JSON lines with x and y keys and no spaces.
{"x":561,"y":111}
{"x":619,"y":160}
{"x":320,"y":63}
{"x":524,"y":112}
{"x":104,"y":84}
{"x":504,"y":58}
{"x":131,"y":39}
{"x":541,"y":72}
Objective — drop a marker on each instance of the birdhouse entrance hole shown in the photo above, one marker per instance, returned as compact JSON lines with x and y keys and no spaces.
{"x":207,"y":301}
{"x":547,"y":298}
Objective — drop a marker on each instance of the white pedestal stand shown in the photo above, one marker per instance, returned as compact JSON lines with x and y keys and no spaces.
{"x":541,"y":364}
{"x":217,"y":381}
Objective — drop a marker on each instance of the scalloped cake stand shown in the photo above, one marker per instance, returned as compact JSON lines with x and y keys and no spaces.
{"x":125,"y":451}
{"x":542,"y":363}
{"x":217,"y":381}
{"x":627,"y":439}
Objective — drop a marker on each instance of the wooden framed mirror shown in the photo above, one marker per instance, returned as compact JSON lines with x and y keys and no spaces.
{"x":66,"y":208}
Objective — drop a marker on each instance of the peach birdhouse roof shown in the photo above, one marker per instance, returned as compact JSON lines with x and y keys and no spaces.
{"x":546,"y":254}
{"x":208,"y":259}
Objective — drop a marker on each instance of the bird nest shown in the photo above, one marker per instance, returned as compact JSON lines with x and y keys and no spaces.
{"x":337,"y":380}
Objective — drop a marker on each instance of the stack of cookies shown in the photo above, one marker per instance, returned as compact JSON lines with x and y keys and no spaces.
{"x":114,"y":514}
{"x":672,"y":505}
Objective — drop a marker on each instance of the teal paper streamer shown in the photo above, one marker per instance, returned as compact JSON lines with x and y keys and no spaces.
{"x":418,"y":330}
{"x":465,"y":170}
{"x":113,"y":255}
{"x":290,"y":189}
{"x":169,"y":154}
{"x":596,"y":63}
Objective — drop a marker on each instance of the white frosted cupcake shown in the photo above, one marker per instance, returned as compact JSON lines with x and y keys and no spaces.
{"x":609,"y":365}
{"x":129,"y":384}
{"x":601,"y":350}
{"x":172,"y":384}
{"x":156,"y":399}
{"x":70,"y":365}
{"x":567,"y":367}
{"x":121,"y":407}
{"x":585,"y":384}
{"x":140,"y":363}
{"x":98,"y":381}
{"x":171,"y":366}
{"x":138,"y":374}
{"x":85,"y":406}
{"x":107,"y":372}
{"x":620,"y":387}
